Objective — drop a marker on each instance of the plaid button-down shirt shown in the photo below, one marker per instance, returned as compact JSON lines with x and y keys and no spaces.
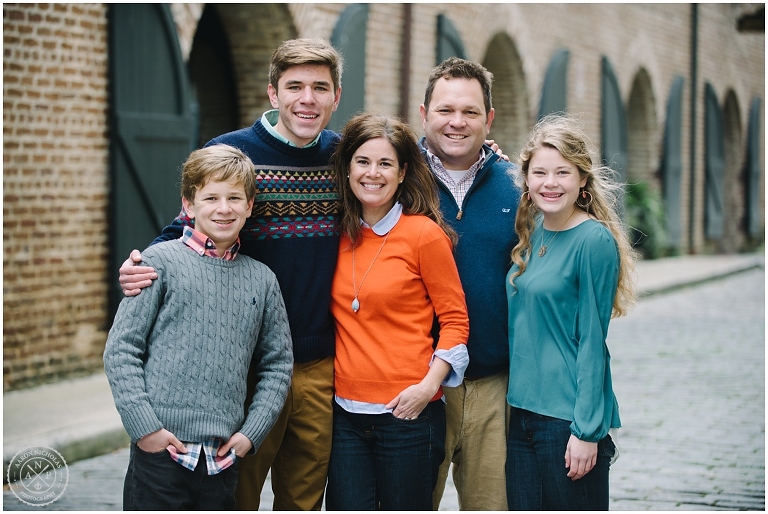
{"x":213,"y":462}
{"x":458,"y":190}
{"x":204,"y":246}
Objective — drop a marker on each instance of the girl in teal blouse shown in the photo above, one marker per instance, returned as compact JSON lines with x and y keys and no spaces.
{"x":571,"y":272}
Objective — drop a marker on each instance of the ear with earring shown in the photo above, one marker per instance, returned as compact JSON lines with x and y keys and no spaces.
{"x":526,"y":196}
{"x":584,"y":193}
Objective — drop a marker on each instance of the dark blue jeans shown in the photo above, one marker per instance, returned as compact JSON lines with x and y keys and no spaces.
{"x":380,"y":462}
{"x":154,"y":481}
{"x":536,"y":473}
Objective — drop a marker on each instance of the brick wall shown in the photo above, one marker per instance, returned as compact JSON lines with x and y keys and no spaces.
{"x":56,"y":162}
{"x":54,"y":191}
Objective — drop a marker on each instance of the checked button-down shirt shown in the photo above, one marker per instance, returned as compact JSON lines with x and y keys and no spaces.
{"x":210,"y":447}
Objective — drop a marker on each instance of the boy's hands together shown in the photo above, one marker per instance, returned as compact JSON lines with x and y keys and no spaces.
{"x":162,"y":439}
{"x":159,"y":441}
{"x":239,"y":442}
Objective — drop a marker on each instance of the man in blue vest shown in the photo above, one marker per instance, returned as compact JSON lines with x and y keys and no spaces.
{"x":479,"y":199}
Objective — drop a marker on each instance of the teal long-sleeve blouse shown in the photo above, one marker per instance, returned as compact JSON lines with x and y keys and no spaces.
{"x":559,"y":310}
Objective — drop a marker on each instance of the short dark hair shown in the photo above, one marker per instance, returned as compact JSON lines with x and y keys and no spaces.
{"x":454,"y":67}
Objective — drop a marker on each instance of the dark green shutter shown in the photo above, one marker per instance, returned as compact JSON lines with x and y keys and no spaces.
{"x":349,"y":37}
{"x":152,"y":127}
{"x":714,"y":165}
{"x":753,"y":171}
{"x":671,"y":162}
{"x":613,"y":123}
{"x":553,"y":93}
{"x":448,"y":40}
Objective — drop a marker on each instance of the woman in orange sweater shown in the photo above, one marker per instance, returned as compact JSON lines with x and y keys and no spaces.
{"x":394,"y":274}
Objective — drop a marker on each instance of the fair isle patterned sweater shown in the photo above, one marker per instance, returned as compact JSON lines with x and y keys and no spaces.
{"x":178,"y":354}
{"x":293,"y":229}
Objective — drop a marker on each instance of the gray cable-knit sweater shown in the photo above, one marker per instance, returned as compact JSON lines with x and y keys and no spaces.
{"x":178,"y":354}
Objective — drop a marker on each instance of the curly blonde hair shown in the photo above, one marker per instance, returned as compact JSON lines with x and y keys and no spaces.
{"x":564,"y":134}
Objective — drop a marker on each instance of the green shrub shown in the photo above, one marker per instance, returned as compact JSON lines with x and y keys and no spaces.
{"x":645,"y":216}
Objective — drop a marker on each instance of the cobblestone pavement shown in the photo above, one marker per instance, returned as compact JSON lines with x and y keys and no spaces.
{"x":689,"y":373}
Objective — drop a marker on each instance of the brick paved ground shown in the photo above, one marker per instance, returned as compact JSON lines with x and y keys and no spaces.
{"x":689,"y":373}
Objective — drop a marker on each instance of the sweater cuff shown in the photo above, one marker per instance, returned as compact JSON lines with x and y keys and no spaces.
{"x":140,"y":421}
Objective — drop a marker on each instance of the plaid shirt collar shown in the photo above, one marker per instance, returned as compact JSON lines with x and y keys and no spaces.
{"x":204,"y":246}
{"x":458,"y":190}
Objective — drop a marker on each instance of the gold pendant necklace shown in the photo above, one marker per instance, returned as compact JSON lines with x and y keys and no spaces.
{"x":356,"y":302}
{"x":543,"y":247}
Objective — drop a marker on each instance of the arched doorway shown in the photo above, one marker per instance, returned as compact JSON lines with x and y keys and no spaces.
{"x":254,"y":32}
{"x":510,"y":95}
{"x":643,"y":202}
{"x":642,"y":140}
{"x":212,"y":75}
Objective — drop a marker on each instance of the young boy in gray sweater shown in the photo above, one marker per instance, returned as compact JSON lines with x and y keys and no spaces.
{"x":177,"y":356}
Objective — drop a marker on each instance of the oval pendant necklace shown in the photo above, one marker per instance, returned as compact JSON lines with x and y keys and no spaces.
{"x":356,"y":302}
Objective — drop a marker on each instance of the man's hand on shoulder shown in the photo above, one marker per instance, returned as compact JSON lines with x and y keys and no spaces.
{"x":495,"y":147}
{"x":134,"y":278}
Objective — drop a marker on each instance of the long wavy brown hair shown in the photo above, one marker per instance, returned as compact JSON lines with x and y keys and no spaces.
{"x":418,"y":191}
{"x":564,"y":134}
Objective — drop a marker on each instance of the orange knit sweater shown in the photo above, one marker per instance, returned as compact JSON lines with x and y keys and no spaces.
{"x":387,"y":345}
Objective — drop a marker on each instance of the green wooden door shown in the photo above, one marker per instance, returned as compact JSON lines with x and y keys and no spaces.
{"x":672,"y":163}
{"x":613,"y":128}
{"x":753,"y":171}
{"x":554,"y":92}
{"x":349,"y":37}
{"x":151,"y":127}
{"x":714,"y":165}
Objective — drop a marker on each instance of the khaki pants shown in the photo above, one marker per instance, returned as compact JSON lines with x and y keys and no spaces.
{"x":298,"y":447}
{"x":477,"y":417}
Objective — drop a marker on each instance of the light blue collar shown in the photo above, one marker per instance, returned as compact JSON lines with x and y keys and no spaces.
{"x":388,"y":222}
{"x":269,"y":120}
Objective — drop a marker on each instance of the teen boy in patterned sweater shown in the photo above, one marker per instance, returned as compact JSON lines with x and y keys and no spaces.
{"x":294,"y":231}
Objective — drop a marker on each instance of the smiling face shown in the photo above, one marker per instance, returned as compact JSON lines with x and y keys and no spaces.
{"x":220,"y":210}
{"x":553,"y":183}
{"x":455,"y":123}
{"x":306,"y":100}
{"x":374,"y":176}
